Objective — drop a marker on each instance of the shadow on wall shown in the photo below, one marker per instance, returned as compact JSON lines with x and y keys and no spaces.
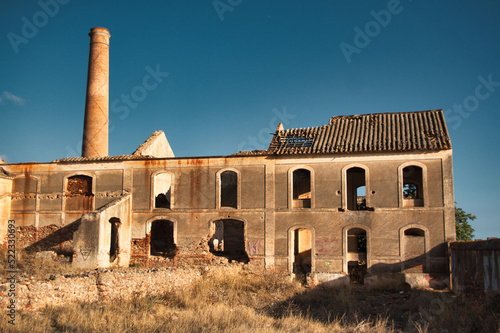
{"x":414,"y":257}
{"x":59,"y":241}
{"x":416,"y":263}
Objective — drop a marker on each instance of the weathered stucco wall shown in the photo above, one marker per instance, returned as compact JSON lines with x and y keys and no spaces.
{"x":264,"y":205}
{"x":92,"y":241}
{"x":40,"y":197}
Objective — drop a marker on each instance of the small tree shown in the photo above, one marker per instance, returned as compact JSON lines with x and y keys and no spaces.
{"x":462,"y":224}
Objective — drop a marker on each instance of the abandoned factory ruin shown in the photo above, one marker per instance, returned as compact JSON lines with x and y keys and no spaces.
{"x":361,"y":195}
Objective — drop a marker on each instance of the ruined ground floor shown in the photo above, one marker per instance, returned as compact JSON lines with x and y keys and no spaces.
{"x":322,"y":243}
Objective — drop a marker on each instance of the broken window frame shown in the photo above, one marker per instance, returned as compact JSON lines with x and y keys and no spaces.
{"x":351,"y":204}
{"x":292,"y":243}
{"x":421,"y":185}
{"x":219,"y":190}
{"x":173,"y":248}
{"x":367,"y":246}
{"x":67,"y":193}
{"x":305,"y":203}
{"x":154,"y":190}
{"x":219,"y":239}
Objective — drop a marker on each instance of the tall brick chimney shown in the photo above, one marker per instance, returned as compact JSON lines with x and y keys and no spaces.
{"x":95,"y":129}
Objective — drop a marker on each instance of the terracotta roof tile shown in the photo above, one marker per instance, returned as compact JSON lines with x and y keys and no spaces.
{"x":406,"y":131}
{"x":101,"y":159}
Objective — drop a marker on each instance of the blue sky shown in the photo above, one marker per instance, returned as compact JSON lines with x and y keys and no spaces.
{"x":236,"y":66}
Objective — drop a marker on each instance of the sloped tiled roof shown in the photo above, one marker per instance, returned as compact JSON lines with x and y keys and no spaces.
{"x":101,"y":159}
{"x":257,"y":152}
{"x":406,"y":131}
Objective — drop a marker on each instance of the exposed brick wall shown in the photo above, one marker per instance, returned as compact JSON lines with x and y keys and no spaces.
{"x":139,"y":251}
{"x":48,"y":238}
{"x":80,"y":185}
{"x":25,"y":236}
{"x":189,"y":252}
{"x":60,"y":240}
{"x":194,"y":252}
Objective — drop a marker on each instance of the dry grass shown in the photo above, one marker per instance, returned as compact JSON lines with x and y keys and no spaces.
{"x":241,"y":301}
{"x":32,"y":265}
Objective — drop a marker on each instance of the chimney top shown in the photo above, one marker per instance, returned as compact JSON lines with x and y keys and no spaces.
{"x":99,"y":30}
{"x":99,"y":35}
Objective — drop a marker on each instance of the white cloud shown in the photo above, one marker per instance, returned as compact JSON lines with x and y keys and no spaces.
{"x":7,"y":96}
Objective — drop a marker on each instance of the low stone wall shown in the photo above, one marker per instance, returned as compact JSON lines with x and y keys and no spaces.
{"x":100,"y":286}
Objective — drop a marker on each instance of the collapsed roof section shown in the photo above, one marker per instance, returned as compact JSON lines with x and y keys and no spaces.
{"x":406,"y":131}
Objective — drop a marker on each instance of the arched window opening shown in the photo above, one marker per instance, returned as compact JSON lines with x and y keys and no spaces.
{"x":302,"y":247}
{"x":412,"y":187}
{"x":162,"y":190}
{"x":356,"y":189}
{"x":229,"y":189}
{"x":162,"y":238}
{"x":414,"y":232}
{"x":79,"y":194}
{"x":115,"y":241}
{"x":414,"y":250}
{"x":228,"y":240}
{"x":301,"y":188}
{"x":356,"y":255}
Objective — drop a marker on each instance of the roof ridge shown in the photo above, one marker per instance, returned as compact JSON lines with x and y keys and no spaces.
{"x":101,"y":158}
{"x":364,"y":115}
